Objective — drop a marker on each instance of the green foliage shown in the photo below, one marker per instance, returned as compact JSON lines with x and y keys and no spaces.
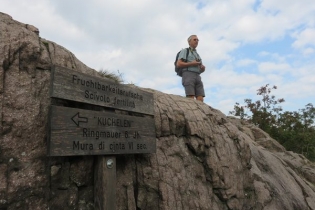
{"x":294,"y":130}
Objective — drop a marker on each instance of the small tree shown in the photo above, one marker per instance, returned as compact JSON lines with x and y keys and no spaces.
{"x":297,"y":131}
{"x":264,"y":112}
{"x":294,"y":130}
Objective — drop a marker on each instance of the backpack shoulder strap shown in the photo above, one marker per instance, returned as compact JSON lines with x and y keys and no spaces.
{"x":187,"y":52}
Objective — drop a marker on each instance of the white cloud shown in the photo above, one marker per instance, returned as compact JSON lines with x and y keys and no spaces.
{"x":245,"y":62}
{"x":305,"y":38}
{"x":308,"y":51}
{"x":270,"y":67}
{"x":232,"y":79}
{"x":141,"y":39}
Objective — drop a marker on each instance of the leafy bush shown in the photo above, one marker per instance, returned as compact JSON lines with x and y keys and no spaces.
{"x":294,"y":130}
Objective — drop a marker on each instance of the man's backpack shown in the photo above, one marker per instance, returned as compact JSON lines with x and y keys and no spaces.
{"x":179,"y":71}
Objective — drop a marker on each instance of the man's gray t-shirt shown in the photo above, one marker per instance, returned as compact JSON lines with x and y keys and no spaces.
{"x":193,"y":55}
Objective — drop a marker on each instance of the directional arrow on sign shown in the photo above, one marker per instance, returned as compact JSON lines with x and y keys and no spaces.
{"x":77,"y":119}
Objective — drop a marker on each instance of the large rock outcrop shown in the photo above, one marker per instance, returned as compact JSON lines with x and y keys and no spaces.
{"x":204,"y":159}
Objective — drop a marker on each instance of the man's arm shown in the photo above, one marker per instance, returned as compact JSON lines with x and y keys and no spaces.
{"x":181,"y":64}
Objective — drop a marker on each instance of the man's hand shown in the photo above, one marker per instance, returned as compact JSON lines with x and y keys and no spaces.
{"x":195,"y":63}
{"x":202,"y":68}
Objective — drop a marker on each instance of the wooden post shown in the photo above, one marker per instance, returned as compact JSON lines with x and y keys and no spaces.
{"x":82,"y":131}
{"x":105,"y":183}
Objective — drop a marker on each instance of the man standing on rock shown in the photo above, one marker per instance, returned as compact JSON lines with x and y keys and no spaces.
{"x":192,"y":68}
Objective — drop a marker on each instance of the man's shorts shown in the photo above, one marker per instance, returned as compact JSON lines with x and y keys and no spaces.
{"x":192,"y":84}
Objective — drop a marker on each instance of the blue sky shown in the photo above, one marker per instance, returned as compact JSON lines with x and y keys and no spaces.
{"x":245,"y":44}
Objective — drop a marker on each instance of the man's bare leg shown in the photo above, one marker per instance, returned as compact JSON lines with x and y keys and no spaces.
{"x":190,"y":96}
{"x":199,"y":98}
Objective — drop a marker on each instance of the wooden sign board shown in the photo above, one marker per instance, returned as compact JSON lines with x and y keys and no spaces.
{"x":85,"y":132}
{"x":73,"y":85}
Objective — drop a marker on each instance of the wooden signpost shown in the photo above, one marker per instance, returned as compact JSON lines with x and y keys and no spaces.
{"x":76,"y":131}
{"x":85,"y":132}
{"x":75,"y":86}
